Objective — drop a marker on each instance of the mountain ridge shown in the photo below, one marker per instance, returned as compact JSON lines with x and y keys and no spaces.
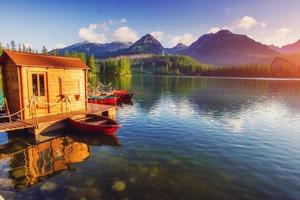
{"x":227,"y":48}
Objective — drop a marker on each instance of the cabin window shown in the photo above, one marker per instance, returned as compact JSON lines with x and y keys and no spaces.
{"x":38,"y":84}
{"x":35,"y":84}
{"x":42,"y":85}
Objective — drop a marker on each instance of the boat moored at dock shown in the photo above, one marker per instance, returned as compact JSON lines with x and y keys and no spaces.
{"x":91,"y":123}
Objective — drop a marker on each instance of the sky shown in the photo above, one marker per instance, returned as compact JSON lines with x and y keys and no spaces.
{"x":60,"y":23}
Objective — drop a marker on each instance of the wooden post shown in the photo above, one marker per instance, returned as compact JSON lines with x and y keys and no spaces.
{"x":7,"y":109}
{"x":35,"y":112}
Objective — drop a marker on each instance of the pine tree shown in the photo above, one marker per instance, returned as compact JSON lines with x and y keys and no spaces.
{"x":66,"y":54}
{"x":20,"y":49}
{"x":13,"y":45}
{"x":92,"y":65}
{"x":74,"y":54}
{"x":82,"y":56}
{"x":1,"y":49}
{"x":23,"y":48}
{"x":44,"y":50}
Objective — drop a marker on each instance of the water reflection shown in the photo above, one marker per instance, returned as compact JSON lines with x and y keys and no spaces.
{"x":32,"y":159}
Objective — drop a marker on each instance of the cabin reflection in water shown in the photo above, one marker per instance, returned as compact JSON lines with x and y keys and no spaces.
{"x":29,"y":163}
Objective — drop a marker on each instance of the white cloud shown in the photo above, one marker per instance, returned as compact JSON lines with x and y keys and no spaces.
{"x":59,"y":45}
{"x":92,"y":34}
{"x":159,"y":35}
{"x":123,"y":20}
{"x":125,"y":34}
{"x":263,"y":24}
{"x":279,"y":37}
{"x":214,"y":29}
{"x":186,"y":39}
{"x":246,"y":22}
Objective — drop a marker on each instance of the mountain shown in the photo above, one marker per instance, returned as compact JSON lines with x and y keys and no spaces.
{"x":147,"y":45}
{"x":227,"y":48}
{"x":279,"y":63}
{"x":275,"y":48}
{"x":179,"y":47}
{"x":293,"y":48}
{"x":99,"y":50}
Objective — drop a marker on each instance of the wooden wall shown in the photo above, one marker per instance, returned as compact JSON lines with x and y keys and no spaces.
{"x":11,"y":85}
{"x":68,"y":82}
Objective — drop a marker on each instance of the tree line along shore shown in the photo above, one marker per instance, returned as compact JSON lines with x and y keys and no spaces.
{"x":167,"y":65}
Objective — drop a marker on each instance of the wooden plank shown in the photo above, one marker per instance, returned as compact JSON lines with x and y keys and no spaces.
{"x":16,"y":125}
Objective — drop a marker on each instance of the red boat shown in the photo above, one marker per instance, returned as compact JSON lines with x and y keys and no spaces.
{"x":108,"y":100}
{"x":123,"y":95}
{"x":90,"y":123}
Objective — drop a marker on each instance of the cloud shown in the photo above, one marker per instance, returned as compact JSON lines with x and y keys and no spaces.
{"x":59,"y":45}
{"x":186,"y":39}
{"x":123,"y":20}
{"x":214,"y":29}
{"x":263,"y":24}
{"x":246,"y":22}
{"x":159,"y":35}
{"x":279,"y":37}
{"x":125,"y":34}
{"x":92,"y":34}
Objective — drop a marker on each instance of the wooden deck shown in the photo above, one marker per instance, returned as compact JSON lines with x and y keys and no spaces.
{"x":13,"y":126}
{"x":54,"y":121}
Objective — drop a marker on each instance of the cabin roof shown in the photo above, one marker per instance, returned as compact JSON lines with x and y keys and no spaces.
{"x":41,"y":60}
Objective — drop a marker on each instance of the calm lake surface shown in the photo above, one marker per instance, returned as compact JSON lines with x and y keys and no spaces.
{"x":183,"y":138}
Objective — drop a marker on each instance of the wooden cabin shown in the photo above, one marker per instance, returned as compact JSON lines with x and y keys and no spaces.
{"x":52,"y":79}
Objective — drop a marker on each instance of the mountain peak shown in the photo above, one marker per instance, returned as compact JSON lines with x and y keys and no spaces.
{"x":227,"y":48}
{"x":146,"y":39}
{"x":224,"y":32}
{"x":180,"y":45}
{"x":293,"y":48}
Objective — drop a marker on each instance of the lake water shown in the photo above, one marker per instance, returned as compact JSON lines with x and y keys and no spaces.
{"x":183,"y":138}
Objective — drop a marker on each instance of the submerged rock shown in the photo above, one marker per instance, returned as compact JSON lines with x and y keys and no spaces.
{"x":132,"y":180}
{"x":90,"y":182}
{"x":154,"y":171}
{"x":72,"y":188}
{"x":5,"y":182}
{"x":48,"y":186}
{"x":118,"y":186}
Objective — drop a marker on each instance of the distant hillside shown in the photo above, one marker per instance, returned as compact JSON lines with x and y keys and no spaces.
{"x":99,"y":50}
{"x":226,"y":48}
{"x":293,"y":48}
{"x":179,"y":47}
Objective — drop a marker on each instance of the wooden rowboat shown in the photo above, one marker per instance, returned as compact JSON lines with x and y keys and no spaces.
{"x":108,"y":100}
{"x":123,"y":95}
{"x":90,"y":123}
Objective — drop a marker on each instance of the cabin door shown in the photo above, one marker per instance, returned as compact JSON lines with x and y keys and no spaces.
{"x":37,"y":81}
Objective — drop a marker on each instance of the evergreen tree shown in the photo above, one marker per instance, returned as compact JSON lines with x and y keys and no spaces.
{"x":1,"y":49}
{"x":13,"y":45}
{"x":74,"y":54}
{"x":24,"y":48}
{"x":20,"y":49}
{"x":55,"y":52}
{"x":92,"y":65}
{"x":44,"y":50}
{"x":66,"y":54}
{"x":82,"y":56}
